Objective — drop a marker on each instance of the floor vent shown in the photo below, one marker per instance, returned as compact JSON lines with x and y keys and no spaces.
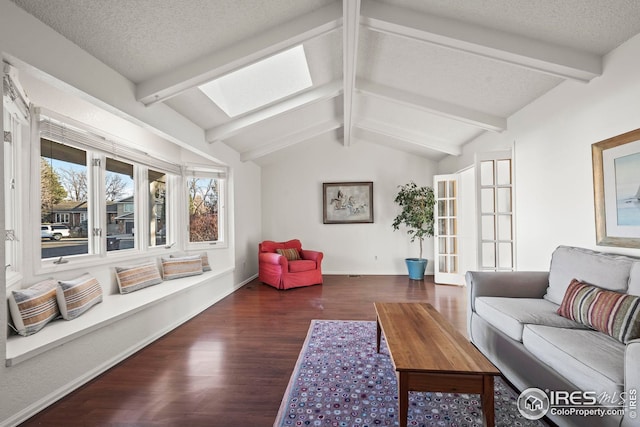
{"x":354,"y":275}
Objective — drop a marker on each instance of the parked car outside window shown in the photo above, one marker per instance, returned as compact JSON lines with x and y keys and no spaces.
{"x":54,"y":231}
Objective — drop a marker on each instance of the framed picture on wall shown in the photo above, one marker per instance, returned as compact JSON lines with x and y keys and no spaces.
{"x":616,"y":183}
{"x":347,"y":202}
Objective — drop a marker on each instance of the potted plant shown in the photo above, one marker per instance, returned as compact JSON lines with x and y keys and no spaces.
{"x":417,"y":205}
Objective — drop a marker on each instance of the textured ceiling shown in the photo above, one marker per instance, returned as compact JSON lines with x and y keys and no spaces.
{"x":429,"y":75}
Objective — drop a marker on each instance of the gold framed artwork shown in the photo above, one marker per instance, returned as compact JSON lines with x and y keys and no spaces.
{"x":616,"y":184}
{"x":347,"y":202}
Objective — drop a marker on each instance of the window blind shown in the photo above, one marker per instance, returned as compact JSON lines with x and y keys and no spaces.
{"x":68,"y":131}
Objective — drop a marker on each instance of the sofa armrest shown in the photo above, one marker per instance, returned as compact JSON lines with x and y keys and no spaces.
{"x":514,"y":284}
{"x":313,"y":256}
{"x":632,"y":379}
{"x":273,"y":258}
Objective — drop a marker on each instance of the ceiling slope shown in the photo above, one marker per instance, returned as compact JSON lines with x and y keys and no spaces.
{"x":420,"y":76}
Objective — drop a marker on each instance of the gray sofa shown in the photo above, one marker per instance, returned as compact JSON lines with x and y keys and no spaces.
{"x":512,"y":319}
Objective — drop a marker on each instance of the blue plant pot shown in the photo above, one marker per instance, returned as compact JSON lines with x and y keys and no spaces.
{"x":416,"y":267}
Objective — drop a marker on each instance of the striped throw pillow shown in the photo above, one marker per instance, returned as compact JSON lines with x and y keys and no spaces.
{"x":577,"y":300}
{"x":205,"y":260}
{"x":613,"y":313}
{"x":77,"y":296}
{"x":134,"y":278}
{"x":175,"y":268}
{"x":290,"y":254}
{"x":32,"y":308}
{"x":616,"y":314}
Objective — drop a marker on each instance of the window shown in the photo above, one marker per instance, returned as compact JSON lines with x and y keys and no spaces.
{"x":157,"y":208}
{"x":204,"y":209}
{"x":92,"y":186}
{"x":63,"y":193}
{"x":260,"y":83}
{"x":120,"y":202}
{"x":15,"y":119}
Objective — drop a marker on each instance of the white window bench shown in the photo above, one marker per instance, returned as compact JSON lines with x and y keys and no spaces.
{"x":113,"y":308}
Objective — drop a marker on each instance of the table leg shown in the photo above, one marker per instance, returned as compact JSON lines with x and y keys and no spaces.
{"x":378,"y":335}
{"x":403,"y":397}
{"x":487,"y":401}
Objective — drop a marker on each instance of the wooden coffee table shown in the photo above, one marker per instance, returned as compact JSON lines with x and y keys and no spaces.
{"x":430,"y":355}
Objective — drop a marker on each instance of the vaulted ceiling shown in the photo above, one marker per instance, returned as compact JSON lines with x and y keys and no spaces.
{"x":424,"y":76}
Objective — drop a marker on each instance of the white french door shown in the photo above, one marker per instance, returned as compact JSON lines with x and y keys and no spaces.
{"x":447,"y":246}
{"x":496,"y":239}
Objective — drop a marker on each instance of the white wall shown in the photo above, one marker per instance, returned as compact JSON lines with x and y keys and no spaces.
{"x":33,"y":384}
{"x":552,"y":147}
{"x":292,"y":203}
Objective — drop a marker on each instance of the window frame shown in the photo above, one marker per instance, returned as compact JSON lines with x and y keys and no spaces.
{"x":177,"y":232}
{"x":221,"y":175}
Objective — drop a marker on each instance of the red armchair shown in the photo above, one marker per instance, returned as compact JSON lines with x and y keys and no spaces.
{"x":281,"y":273}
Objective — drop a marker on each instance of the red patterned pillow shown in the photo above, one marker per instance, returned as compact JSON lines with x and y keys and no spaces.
{"x":291,"y":254}
{"x":612,"y":313}
{"x":577,"y":300}
{"x":616,"y":314}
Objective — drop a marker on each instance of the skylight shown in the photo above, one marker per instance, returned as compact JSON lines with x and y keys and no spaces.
{"x":261,"y":83}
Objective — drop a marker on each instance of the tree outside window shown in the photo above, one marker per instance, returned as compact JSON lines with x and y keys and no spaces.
{"x":204,"y":197}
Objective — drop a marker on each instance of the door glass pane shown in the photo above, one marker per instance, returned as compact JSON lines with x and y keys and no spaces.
{"x":442,"y":226}
{"x":488,"y":255}
{"x":63,"y":200}
{"x":504,"y":172}
{"x":452,"y":227}
{"x":442,"y":208}
{"x":486,"y":172}
{"x":442,"y":245}
{"x":453,"y":264}
{"x":506,"y":258}
{"x":120,"y":202}
{"x":487,"y":201}
{"x":442,"y":189}
{"x":504,"y":200}
{"x":442,"y":264}
{"x":452,"y":207}
{"x":452,"y":245}
{"x":488,"y":228}
{"x":452,"y":189}
{"x":504,"y":227}
{"x":157,"y":208}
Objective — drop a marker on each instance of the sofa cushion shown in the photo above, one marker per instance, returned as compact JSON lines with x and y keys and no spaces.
{"x":606,"y":271}
{"x":301,"y":265}
{"x":77,"y":296}
{"x":137,"y":277}
{"x":271,"y":246}
{"x":577,"y":300}
{"x":615,"y":314}
{"x":634,"y":280}
{"x":291,"y":254}
{"x":588,"y":359}
{"x":205,"y":259}
{"x":34,"y":307}
{"x":510,"y":315}
{"x":176,"y":268}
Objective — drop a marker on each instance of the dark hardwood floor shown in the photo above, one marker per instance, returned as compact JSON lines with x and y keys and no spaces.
{"x":230,"y":365}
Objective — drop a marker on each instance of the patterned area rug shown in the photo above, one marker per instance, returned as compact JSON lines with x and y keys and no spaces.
{"x":340,"y":380}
